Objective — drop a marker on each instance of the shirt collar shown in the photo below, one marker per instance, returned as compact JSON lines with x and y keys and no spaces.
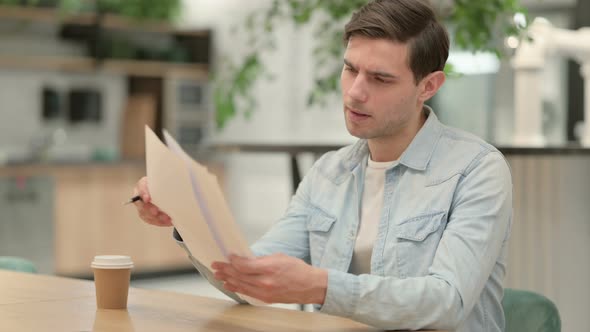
{"x":417,"y":155}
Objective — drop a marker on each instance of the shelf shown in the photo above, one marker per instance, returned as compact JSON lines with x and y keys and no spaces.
{"x":141,"y":68}
{"x":109,"y":21}
{"x":69,"y":63}
{"x":86,"y":64}
{"x":156,"y":68}
{"x":43,"y":15}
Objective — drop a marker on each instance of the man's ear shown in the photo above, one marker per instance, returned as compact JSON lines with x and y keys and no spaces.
{"x":430,"y":85}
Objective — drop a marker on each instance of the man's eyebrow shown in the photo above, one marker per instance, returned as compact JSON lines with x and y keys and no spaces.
{"x":382,"y":74}
{"x":349,"y":64}
{"x":373,"y":73}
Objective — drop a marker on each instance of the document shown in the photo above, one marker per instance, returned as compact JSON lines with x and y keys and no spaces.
{"x":193,"y":199}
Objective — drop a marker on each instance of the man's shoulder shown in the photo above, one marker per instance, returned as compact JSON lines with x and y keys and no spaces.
{"x":458,"y":138}
{"x":338,"y":162}
{"x":458,"y":152}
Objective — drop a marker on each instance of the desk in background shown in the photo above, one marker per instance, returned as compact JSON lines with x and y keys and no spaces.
{"x":293,"y":150}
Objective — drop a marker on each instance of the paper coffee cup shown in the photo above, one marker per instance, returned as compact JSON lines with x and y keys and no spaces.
{"x":111,"y":280}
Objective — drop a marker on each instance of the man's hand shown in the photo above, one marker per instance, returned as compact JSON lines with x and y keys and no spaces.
{"x":274,"y":279}
{"x":147,"y":211}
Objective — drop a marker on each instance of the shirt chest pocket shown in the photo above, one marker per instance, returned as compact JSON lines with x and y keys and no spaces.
{"x":417,"y":239}
{"x":319,"y":227}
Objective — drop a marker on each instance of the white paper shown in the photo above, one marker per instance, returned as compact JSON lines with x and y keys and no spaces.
{"x":192,"y":197}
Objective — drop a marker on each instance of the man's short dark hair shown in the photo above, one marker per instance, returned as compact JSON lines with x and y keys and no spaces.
{"x":406,"y":21}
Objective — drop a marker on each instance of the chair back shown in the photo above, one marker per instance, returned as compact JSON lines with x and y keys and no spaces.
{"x":17,"y":264}
{"x":527,"y":311}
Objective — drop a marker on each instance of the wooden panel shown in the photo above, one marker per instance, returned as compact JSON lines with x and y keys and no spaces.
{"x":90,"y":218}
{"x":67,"y":63}
{"x":550,"y":242}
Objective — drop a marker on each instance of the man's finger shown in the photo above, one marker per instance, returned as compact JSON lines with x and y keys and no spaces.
{"x":250,"y":265}
{"x":241,"y":287}
{"x":164,"y":219}
{"x":252,"y":281}
{"x":263,"y":281}
{"x":219,"y":265}
{"x":142,"y":214}
{"x":231,"y":271}
{"x":153,"y":209}
{"x":139,"y":205}
{"x":143,"y":190}
{"x":151,"y":220}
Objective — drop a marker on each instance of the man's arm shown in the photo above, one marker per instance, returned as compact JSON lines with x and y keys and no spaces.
{"x":479,"y":220}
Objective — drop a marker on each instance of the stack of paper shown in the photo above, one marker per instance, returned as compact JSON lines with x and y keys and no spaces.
{"x":192,"y":197}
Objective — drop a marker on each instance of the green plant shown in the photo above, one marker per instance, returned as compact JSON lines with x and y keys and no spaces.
{"x":474,"y":24}
{"x":138,"y":9}
{"x":142,"y":9}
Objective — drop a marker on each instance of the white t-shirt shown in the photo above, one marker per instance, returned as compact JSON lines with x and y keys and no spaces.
{"x":371,"y":209}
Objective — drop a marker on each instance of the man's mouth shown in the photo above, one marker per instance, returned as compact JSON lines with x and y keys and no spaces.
{"x":356,"y":114}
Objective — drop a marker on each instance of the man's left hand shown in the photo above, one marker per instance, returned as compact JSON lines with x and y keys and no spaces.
{"x":276,"y":278}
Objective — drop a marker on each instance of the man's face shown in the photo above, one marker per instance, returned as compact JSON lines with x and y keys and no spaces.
{"x":380,"y":95}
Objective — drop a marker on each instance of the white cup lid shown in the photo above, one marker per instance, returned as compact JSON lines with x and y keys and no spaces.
{"x":112,"y":262}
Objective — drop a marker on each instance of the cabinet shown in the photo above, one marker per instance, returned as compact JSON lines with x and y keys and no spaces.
{"x":26,"y":219}
{"x":89,"y":219}
{"x":160,"y":72}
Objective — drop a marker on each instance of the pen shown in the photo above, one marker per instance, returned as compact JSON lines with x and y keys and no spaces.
{"x":133,"y":199}
{"x":138,"y":198}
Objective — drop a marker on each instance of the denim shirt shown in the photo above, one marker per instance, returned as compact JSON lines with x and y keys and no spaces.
{"x":439,"y":258}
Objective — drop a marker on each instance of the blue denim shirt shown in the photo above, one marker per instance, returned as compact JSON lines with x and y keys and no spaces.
{"x":439,"y":258}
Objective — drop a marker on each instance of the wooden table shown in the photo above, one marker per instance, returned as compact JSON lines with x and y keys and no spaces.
{"x":46,"y":303}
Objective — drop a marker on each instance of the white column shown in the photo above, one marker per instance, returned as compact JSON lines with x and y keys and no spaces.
{"x":528,"y":105}
{"x":585,"y":71}
{"x":528,"y":64}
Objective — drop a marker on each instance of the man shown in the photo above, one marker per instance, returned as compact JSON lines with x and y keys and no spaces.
{"x":407,"y":228}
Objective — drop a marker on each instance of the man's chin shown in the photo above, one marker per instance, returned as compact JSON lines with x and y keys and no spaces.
{"x":357,"y":133}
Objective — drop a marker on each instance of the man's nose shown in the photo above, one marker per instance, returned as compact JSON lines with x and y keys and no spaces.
{"x":358,"y":89}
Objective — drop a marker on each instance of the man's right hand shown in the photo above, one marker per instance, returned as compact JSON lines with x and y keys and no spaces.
{"x":147,"y":211}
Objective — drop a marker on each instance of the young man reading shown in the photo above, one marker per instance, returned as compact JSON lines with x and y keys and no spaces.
{"x":407,"y":228}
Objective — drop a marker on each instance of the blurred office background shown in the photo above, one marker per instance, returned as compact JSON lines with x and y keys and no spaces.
{"x":76,"y":90}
